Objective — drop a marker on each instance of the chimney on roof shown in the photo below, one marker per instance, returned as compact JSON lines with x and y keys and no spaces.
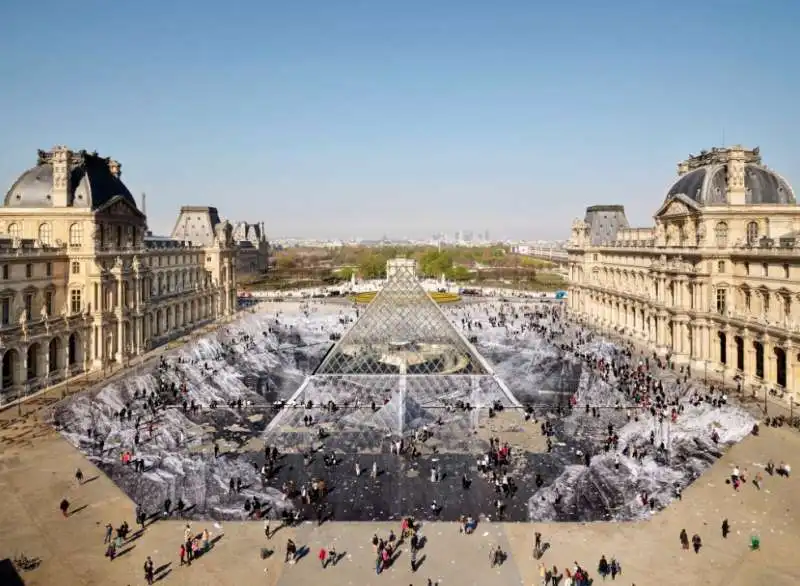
{"x":60,"y":159}
{"x":115,"y":167}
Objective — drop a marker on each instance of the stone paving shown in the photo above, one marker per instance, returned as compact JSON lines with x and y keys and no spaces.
{"x":37,"y":470}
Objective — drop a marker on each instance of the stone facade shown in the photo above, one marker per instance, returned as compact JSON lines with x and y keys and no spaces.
{"x":84,"y":284}
{"x":253,"y":248}
{"x":196,"y":225}
{"x":715,"y":283}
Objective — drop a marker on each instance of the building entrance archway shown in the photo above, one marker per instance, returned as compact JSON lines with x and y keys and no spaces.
{"x":54,"y":355}
{"x":10,"y":366}
{"x":780,"y":367}
{"x":73,"y":349}
{"x":33,"y":360}
{"x":759,"y":348}
{"x":739,"y":353}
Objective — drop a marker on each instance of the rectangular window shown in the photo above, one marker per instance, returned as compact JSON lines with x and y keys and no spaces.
{"x":29,"y":304}
{"x":721,"y":301}
{"x":765,"y":269}
{"x":28,"y":271}
{"x":5,"y":272}
{"x":75,"y":301}
{"x":747,"y":268}
{"x":721,"y":266}
{"x":76,"y":268}
{"x":49,"y":269}
{"x":6,"y":311}
{"x":786,"y":271}
{"x":747,"y":300}
{"x":48,"y":302}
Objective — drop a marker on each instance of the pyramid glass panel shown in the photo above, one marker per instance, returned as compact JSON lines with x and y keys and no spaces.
{"x":403,"y":331}
{"x":401,"y":368}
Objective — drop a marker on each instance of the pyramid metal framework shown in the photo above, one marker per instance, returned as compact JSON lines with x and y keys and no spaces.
{"x":404,"y":320}
{"x":402,"y":366}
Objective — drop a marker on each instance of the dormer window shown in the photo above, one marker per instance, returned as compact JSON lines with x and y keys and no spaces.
{"x":752,"y":233}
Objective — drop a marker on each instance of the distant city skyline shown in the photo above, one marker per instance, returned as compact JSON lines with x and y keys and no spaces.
{"x":352,"y":118}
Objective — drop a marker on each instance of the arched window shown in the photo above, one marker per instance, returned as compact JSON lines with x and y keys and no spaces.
{"x":76,"y":235}
{"x":721,"y":233}
{"x":14,"y":230}
{"x":752,"y":233}
{"x":45,"y":234}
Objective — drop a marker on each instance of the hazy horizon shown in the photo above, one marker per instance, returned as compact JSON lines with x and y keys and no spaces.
{"x":353,"y":118}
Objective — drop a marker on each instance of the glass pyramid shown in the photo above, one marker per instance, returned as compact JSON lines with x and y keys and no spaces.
{"x":403,"y":331}
{"x":401,"y":367}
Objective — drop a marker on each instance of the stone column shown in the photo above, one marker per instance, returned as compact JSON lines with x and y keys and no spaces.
{"x":137,"y":291}
{"x":24,"y":368}
{"x":770,"y":362}
{"x":730,"y":349}
{"x":705,"y":337}
{"x":685,"y":341}
{"x":749,"y":355}
{"x":44,"y":354}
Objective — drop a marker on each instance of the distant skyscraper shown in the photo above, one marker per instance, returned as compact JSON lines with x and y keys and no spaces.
{"x":467,"y":235}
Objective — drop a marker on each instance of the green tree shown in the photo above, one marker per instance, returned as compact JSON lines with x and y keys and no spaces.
{"x":372,"y":266}
{"x":285,"y":260}
{"x":435,"y":262}
{"x":459,"y":273}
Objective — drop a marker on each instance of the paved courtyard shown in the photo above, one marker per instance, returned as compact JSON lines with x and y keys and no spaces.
{"x":37,"y":469}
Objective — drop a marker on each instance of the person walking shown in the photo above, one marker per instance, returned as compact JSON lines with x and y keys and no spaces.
{"x":79,"y":476}
{"x":266,"y":528}
{"x":697,"y":543}
{"x":109,"y":532}
{"x":684,"y":537}
{"x":323,"y":557}
{"x":149,"y":570}
{"x":64,"y":506}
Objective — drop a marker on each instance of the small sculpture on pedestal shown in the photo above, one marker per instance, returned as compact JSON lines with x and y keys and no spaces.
{"x":23,"y":322}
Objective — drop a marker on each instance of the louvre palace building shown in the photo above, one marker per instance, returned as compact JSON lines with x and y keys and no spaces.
{"x":85,"y":285}
{"x":713,"y":284}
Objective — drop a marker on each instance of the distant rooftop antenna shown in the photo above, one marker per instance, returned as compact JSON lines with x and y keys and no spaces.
{"x":144,"y":203}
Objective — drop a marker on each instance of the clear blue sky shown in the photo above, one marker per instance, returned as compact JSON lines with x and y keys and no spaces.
{"x":344,"y":117}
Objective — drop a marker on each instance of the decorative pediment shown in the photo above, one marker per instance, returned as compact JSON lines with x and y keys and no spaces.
{"x":678,"y":205}
{"x":119,"y":207}
{"x":676,"y":208}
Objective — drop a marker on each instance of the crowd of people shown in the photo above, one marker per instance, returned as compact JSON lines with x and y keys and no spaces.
{"x":638,"y":382}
